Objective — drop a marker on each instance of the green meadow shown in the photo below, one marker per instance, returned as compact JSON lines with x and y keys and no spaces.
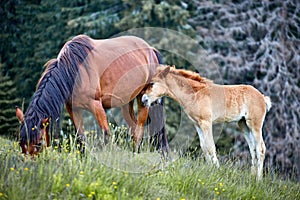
{"x":114,"y":172}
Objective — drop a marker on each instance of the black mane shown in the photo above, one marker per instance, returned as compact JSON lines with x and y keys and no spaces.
{"x":55,"y":86}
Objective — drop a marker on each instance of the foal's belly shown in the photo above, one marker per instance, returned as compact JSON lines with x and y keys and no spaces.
{"x":230,"y":115}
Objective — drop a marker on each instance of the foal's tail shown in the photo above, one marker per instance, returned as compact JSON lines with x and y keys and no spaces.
{"x":268,"y":103}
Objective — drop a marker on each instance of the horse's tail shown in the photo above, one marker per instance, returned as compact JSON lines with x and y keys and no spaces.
{"x":157,"y":120}
{"x":158,"y":56}
{"x":268,"y":103}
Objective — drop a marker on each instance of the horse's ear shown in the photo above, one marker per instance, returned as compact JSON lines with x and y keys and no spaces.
{"x":19,"y":114}
{"x":45,"y":122}
{"x":164,"y":72}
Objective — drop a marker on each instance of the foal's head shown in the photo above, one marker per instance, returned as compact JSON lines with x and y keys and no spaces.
{"x":34,"y":137}
{"x":158,"y":87}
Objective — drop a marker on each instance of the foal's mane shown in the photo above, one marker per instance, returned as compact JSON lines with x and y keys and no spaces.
{"x":55,"y":86}
{"x":191,"y":75}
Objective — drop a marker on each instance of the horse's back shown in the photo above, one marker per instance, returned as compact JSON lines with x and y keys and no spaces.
{"x":123,"y":66}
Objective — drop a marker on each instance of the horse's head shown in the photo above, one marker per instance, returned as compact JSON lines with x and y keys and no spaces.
{"x":34,"y":134}
{"x":157,"y":88}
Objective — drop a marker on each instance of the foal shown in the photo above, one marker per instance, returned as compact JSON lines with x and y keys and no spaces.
{"x":206,"y":103}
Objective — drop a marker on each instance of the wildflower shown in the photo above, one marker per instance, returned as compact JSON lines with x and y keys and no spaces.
{"x":68,"y":185}
{"x":221,"y":184}
{"x":32,"y":128}
{"x":26,"y":169}
{"x":77,"y":152}
{"x":92,"y":193}
{"x":158,"y":198}
{"x":253,"y":197}
{"x":217,"y":193}
{"x":1,"y":194}
{"x":115,"y":187}
{"x":216,"y":189}
{"x":12,"y":169}
{"x":81,"y":173}
{"x":223,"y":190}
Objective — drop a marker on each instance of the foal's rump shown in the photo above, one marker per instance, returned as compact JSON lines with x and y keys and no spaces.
{"x":233,"y":102}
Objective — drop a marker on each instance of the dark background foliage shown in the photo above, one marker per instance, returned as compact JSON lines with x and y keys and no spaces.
{"x":250,"y":42}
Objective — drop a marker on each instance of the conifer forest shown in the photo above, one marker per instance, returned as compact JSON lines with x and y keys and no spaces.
{"x":248,"y":42}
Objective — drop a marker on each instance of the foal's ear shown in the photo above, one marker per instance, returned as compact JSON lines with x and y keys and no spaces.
{"x":19,"y":114}
{"x":164,"y":72}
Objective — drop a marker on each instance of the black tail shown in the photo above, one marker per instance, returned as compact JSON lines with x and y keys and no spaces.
{"x":157,"y":120}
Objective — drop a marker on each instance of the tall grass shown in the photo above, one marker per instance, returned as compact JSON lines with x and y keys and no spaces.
{"x":113,"y":172}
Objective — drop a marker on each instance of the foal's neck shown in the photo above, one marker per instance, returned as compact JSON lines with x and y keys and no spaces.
{"x":180,"y":89}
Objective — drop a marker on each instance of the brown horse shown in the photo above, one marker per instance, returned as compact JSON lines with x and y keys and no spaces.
{"x":93,"y":75}
{"x":206,"y":103}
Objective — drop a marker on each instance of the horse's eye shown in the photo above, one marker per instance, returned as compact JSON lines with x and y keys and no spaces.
{"x":151,"y":84}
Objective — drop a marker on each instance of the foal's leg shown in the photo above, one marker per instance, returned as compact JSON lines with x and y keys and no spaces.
{"x":255,"y":126}
{"x":251,"y":143}
{"x":139,"y":130}
{"x":207,"y":143}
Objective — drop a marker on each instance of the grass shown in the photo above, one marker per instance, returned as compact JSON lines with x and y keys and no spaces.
{"x":113,"y":172}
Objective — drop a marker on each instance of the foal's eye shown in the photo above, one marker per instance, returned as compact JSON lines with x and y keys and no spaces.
{"x":151,"y":84}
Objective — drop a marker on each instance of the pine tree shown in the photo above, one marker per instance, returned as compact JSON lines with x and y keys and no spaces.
{"x":8,"y":101}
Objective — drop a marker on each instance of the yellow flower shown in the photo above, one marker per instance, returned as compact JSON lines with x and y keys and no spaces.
{"x":221,"y":184}
{"x":116,"y":187}
{"x":26,"y":169}
{"x":217,"y":193}
{"x":81,"y":173}
{"x":223,"y":190}
{"x":67,"y":185}
{"x":92,"y":193}
{"x":158,"y":198}
{"x":32,"y":128}
{"x":1,"y":194}
{"x":114,"y":183}
{"x":12,"y":169}
{"x":216,"y":189}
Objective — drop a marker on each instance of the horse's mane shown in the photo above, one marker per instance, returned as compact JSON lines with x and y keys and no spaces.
{"x":55,"y":86}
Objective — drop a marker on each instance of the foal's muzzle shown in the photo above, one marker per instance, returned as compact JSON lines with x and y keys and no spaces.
{"x":146,"y":100}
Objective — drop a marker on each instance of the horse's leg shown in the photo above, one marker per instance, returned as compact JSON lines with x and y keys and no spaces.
{"x":251,"y":143}
{"x":139,"y":130}
{"x":128,"y":114}
{"x":76,"y":117}
{"x":99,"y":113}
{"x":204,"y":129}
